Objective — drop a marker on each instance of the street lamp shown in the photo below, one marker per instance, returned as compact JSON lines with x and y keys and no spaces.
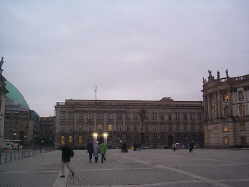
{"x":14,"y":135}
{"x":105,"y":135}
{"x":95,"y":136}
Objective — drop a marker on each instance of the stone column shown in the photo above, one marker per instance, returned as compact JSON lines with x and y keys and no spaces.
{"x":75,"y":128}
{"x":209,"y":108}
{"x":115,"y":122}
{"x":216,"y":105}
{"x":95,"y":122}
{"x":105,"y":121}
{"x":124,"y":123}
{"x":57,"y":126}
{"x":2,"y":115}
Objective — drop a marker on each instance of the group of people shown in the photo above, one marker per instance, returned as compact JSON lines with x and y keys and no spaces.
{"x":190,"y":146}
{"x":94,"y":148}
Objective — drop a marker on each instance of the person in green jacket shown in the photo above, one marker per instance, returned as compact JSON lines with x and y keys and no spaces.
{"x":103,"y":149}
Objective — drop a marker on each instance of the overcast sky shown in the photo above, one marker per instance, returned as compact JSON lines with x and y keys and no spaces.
{"x":130,"y":49}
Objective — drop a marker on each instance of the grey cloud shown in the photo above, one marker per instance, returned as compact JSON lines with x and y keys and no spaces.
{"x":130,"y":49}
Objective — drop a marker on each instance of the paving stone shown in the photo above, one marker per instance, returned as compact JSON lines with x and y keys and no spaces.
{"x":203,"y":167}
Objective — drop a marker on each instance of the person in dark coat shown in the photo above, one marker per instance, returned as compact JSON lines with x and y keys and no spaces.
{"x":124,"y":147}
{"x":191,"y":146}
{"x":174,"y":147}
{"x":134,"y":147}
{"x":67,"y":154}
{"x":90,"y":150}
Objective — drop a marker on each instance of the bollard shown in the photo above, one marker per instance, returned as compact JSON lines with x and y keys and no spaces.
{"x":5,"y":158}
{"x":22,"y":154}
{"x":18,"y":154}
{"x":14,"y":155}
{"x":11,"y":156}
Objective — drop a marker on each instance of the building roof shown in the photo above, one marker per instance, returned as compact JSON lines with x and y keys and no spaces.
{"x":15,"y":96}
{"x":125,"y":104}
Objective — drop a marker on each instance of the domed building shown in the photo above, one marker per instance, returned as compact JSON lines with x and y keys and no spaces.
{"x":3,"y":92}
{"x":14,"y":98}
{"x":20,"y":121}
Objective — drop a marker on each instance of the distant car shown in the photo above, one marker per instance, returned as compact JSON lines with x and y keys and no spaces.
{"x":179,"y":145}
{"x":6,"y":146}
{"x":10,"y":146}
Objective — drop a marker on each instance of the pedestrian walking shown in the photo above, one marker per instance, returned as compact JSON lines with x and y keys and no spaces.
{"x":41,"y":145}
{"x":96,"y":151}
{"x":134,"y":147}
{"x":191,"y":146}
{"x":124,"y":147}
{"x":174,"y":147}
{"x":103,"y":149}
{"x":67,"y":154}
{"x":90,"y":150}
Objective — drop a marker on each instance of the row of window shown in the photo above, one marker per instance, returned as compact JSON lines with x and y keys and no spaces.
{"x":110,"y":127}
{"x":238,"y":110}
{"x":239,"y":95}
{"x":69,"y":139}
{"x":227,"y":141}
{"x":133,"y":116}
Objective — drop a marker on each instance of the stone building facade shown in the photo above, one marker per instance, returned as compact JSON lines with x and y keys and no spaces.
{"x":20,"y":123}
{"x":226,"y":110}
{"x":3,"y":92}
{"x":47,"y":130}
{"x":152,"y":123}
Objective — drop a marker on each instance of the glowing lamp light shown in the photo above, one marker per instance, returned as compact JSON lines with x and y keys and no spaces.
{"x":95,"y":135}
{"x":105,"y":135}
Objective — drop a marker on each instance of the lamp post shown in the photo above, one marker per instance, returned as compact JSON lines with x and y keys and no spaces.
{"x":95,"y":136}
{"x":14,"y":135}
{"x":105,"y":135}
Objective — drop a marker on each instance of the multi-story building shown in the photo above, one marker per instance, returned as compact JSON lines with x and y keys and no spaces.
{"x":21,"y":123}
{"x":3,"y":92}
{"x":154,"y":123}
{"x":17,"y":121}
{"x":47,"y":130}
{"x":226,"y":110}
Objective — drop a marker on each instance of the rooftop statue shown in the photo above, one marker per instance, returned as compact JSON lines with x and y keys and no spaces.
{"x":210,"y":75}
{"x":227,"y":73}
{"x":218,"y":75}
{"x":1,"y":62}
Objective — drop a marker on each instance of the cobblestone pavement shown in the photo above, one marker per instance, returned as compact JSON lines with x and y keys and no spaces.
{"x":204,"y":168}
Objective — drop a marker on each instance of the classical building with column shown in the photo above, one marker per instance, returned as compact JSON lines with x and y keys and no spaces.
{"x":3,"y":92}
{"x":153,"y":123}
{"x":226,"y":110}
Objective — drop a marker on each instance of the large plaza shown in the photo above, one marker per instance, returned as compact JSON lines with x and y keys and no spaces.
{"x":203,"y":167}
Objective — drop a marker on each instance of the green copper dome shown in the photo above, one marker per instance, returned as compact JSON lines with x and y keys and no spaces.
{"x":15,"y":95}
